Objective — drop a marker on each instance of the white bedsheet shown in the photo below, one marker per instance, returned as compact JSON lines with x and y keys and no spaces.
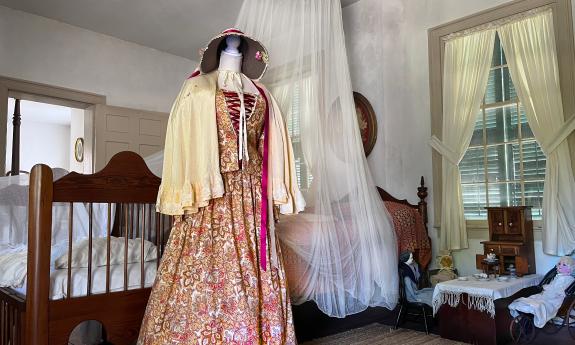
{"x":13,"y":266}
{"x":59,"y":280}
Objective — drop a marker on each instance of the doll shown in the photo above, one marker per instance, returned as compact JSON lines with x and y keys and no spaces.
{"x":544,"y":305}
{"x":411,"y":274}
{"x":446,"y":269}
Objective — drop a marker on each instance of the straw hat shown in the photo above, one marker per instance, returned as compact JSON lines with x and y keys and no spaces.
{"x":254,"y":54}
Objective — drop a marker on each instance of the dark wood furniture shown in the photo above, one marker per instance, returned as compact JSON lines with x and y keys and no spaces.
{"x":510,"y":239}
{"x":473,"y":326}
{"x":35,"y":319}
{"x":311,"y":323}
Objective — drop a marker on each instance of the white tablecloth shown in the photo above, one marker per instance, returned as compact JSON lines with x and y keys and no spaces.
{"x":481,"y":294}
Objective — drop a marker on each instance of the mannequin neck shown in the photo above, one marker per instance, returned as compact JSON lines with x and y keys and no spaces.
{"x":229,"y":62}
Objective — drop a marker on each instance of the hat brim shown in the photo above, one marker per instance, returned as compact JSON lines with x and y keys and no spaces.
{"x":252,"y":66}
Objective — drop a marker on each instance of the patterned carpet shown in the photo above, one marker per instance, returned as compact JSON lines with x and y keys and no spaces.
{"x":376,"y":334}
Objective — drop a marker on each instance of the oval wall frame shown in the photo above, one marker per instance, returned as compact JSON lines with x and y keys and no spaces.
{"x":367,"y":122}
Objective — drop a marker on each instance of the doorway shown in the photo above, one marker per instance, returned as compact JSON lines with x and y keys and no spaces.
{"x":55,"y":126}
{"x":47,"y":134}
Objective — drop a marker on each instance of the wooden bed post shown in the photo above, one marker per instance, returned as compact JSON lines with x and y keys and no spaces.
{"x":39,"y":238}
{"x":16,"y":121}
{"x":422,"y":194}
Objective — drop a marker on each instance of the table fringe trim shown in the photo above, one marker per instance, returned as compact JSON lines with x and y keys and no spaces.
{"x":477,"y":302}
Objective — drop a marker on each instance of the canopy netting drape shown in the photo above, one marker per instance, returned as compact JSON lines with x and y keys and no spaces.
{"x":345,"y":237}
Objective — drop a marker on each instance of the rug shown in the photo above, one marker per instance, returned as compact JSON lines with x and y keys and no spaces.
{"x":376,"y":334}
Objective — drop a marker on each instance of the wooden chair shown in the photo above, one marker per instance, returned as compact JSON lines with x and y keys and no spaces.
{"x":417,"y":309}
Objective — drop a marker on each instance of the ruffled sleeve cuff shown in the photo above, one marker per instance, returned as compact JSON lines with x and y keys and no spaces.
{"x":190,"y":197}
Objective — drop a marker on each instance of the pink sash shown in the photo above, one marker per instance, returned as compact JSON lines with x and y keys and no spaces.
{"x":264,"y":206}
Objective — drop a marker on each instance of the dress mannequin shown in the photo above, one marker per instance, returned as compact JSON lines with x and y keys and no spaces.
{"x":220,"y":280}
{"x":231,"y":60}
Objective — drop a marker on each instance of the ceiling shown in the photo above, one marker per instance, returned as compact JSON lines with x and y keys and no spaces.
{"x":179,"y":27}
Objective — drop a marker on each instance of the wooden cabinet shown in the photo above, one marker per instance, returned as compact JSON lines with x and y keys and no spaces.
{"x":510,"y":238}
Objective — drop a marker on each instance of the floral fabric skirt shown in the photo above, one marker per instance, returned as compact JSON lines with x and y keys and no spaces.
{"x":210,"y":288}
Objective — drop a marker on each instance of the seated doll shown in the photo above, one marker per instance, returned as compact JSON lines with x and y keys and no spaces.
{"x":410,"y":270}
{"x":544,"y":305}
{"x":446,"y":270}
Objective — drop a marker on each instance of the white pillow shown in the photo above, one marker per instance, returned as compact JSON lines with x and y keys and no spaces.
{"x":13,"y":269}
{"x":99,"y":252}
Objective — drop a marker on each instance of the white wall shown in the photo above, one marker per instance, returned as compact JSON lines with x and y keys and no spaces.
{"x":388,"y":57}
{"x":55,"y":148}
{"x":47,"y":51}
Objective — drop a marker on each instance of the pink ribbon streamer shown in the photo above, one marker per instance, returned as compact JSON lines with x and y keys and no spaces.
{"x":264,"y":206}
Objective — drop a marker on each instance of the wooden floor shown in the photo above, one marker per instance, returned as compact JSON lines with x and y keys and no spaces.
{"x":560,"y":338}
{"x":312,"y":324}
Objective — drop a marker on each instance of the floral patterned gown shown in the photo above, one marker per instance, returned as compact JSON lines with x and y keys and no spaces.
{"x":210,"y":288}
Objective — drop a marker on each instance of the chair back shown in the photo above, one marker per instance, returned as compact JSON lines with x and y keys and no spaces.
{"x":548,"y":277}
{"x":402,"y":294}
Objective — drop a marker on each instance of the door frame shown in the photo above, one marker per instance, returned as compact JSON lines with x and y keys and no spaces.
{"x":38,"y":92}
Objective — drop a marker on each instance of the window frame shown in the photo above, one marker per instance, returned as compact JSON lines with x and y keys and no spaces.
{"x":563,"y":27}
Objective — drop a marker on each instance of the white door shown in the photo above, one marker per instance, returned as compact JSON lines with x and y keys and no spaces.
{"x":124,"y":129}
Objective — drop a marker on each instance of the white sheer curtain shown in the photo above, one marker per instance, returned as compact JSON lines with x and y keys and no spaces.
{"x":351,"y":253}
{"x":465,"y":72}
{"x":529,"y":46}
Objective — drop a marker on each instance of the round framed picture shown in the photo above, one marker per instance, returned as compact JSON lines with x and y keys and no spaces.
{"x":79,"y":150}
{"x":367,"y":122}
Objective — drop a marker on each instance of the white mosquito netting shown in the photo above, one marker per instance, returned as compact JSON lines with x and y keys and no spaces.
{"x":342,"y":250}
{"x":345,"y":240}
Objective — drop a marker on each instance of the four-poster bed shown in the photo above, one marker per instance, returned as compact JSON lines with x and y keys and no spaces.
{"x":15,"y":154}
{"x":311,"y":322}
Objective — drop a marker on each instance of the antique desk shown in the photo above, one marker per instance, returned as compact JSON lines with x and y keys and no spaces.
{"x":510,"y":239}
{"x":467,"y":309}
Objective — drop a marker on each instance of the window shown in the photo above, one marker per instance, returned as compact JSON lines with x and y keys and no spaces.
{"x":303,"y":173}
{"x":504,"y":165}
{"x":508,"y":166}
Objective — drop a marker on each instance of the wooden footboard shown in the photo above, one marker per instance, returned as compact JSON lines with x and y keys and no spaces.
{"x":12,"y":314}
{"x":127,"y":190}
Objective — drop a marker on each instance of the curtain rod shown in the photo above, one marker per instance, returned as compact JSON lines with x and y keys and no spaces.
{"x":497,"y":23}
